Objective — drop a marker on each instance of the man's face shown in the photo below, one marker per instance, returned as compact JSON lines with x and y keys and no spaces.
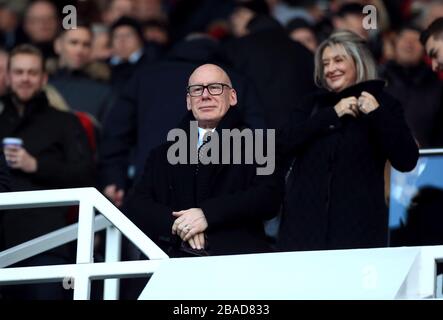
{"x":125,"y":42}
{"x":41,"y":22}
{"x":239,"y":21}
{"x":209,"y":109}
{"x":434,"y":49}
{"x":352,"y":22}
{"x":74,"y":48}
{"x":306,"y":37}
{"x":408,"y":49}
{"x":26,"y":76}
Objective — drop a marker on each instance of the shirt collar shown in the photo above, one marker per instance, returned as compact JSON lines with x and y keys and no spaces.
{"x":201,"y":135}
{"x":133,"y":58}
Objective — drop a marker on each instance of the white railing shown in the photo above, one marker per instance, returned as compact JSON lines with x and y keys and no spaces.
{"x":79,"y":275}
{"x":384,"y":273}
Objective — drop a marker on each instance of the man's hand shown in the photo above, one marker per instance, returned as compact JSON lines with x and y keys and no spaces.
{"x":197,"y":241}
{"x":189,"y":223}
{"x":19,"y":158}
{"x":114,"y":194}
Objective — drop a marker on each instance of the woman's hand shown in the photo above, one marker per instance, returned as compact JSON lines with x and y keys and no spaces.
{"x":347,"y":106}
{"x":367,"y":103}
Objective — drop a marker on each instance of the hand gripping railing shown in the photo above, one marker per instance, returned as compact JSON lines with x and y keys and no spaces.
{"x":85,"y":269}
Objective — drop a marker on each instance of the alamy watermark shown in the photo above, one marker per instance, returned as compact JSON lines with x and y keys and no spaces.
{"x":68,"y":283}
{"x":248,"y":147}
{"x":70,"y":17}
{"x":370,"y":17}
{"x":70,"y":20}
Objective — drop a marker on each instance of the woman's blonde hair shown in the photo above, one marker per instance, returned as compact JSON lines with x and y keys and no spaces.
{"x":355,"y":47}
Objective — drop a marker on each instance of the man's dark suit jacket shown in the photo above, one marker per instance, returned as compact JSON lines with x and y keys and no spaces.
{"x":233,"y":198}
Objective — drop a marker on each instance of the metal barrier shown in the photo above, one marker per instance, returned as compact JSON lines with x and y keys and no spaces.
{"x":80,"y":274}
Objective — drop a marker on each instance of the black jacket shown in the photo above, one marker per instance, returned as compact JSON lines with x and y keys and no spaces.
{"x":82,"y":93}
{"x":335,"y":196}
{"x":5,"y":183}
{"x":233,"y":198}
{"x":64,"y":160}
{"x":420,"y":93}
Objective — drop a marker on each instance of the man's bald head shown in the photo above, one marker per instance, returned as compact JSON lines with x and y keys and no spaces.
{"x":210,"y":95}
{"x":212,"y":70}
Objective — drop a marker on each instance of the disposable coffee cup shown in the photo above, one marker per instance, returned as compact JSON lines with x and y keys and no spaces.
{"x":12,"y":142}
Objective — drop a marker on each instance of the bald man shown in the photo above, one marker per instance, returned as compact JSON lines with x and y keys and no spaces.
{"x":197,"y":209}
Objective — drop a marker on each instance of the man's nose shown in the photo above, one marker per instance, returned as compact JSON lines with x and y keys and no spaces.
{"x":206,"y":92}
{"x":25,"y":77}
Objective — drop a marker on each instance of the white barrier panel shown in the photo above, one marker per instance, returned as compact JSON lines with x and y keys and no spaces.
{"x":386,"y":273}
{"x":85,"y":270}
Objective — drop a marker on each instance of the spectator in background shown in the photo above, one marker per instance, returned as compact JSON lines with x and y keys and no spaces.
{"x":101,"y":43}
{"x":55,"y":154}
{"x":301,"y":31}
{"x":186,"y":17}
{"x":287,"y":10}
{"x":115,"y":9}
{"x":414,"y":84}
{"x":264,"y":52}
{"x":41,"y":25}
{"x":432,"y":10}
{"x":432,"y":39}
{"x":341,"y":140}
{"x":144,"y":10}
{"x":244,"y":13}
{"x":350,"y":17}
{"x":127,"y":51}
{"x":156,"y":32}
{"x":423,"y":221}
{"x":3,"y":71}
{"x":9,"y":23}
{"x":75,"y":79}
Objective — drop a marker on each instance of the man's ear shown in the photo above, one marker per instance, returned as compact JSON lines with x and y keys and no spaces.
{"x":188,"y":102}
{"x":233,"y":98}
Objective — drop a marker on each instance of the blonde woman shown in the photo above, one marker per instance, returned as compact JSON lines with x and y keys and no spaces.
{"x":341,"y":139}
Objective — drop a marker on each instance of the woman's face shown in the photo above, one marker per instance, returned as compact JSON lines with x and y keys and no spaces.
{"x":338,"y":68}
